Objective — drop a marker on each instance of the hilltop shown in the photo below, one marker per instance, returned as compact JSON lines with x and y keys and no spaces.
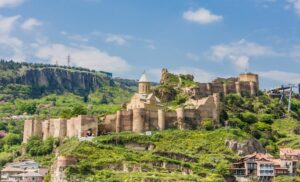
{"x":29,"y":80}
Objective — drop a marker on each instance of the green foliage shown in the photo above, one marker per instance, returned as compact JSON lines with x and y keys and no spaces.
{"x":248,"y":117}
{"x":36,"y":146}
{"x":13,"y":139}
{"x":266,"y":118}
{"x":79,"y":110}
{"x":26,"y":107}
{"x":208,"y":124}
{"x":236,"y":122}
{"x":203,"y":152}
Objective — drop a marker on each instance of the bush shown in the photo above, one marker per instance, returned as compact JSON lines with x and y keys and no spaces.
{"x":208,"y":124}
{"x":79,"y":110}
{"x":266,"y":118}
{"x":36,"y":146}
{"x":248,"y":117}
{"x":235,"y":122}
{"x":13,"y":139}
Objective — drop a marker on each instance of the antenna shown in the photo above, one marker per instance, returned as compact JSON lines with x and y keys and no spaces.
{"x":69,"y":60}
{"x":56,"y":62}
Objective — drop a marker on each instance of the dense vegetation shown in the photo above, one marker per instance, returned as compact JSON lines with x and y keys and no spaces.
{"x":203,"y":154}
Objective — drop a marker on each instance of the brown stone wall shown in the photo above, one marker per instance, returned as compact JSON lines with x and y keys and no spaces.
{"x":86,"y":123}
{"x":32,"y":128}
{"x":171,"y":119}
{"x":110,"y":122}
{"x":60,"y":127}
{"x":138,"y":121}
{"x":126,"y":120}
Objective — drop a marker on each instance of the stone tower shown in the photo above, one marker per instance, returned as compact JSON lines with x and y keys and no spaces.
{"x":144,"y":84}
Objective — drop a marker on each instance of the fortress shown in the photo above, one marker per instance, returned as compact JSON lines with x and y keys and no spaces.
{"x":247,"y":84}
{"x":145,"y":112}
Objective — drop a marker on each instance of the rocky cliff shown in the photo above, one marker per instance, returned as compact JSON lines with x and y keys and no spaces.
{"x":43,"y":79}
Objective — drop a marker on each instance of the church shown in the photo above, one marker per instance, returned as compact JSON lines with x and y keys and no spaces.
{"x":144,"y":98}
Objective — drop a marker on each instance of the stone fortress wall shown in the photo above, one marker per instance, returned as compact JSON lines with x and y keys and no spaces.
{"x":140,"y":119}
{"x":60,"y":128}
{"x":245,"y":84}
{"x":145,"y":113}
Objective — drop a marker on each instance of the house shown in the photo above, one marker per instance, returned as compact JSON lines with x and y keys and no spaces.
{"x":289,"y":159}
{"x":256,"y":165}
{"x":23,"y":171}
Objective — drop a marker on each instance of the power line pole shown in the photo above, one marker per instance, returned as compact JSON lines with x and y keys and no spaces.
{"x":69,"y":60}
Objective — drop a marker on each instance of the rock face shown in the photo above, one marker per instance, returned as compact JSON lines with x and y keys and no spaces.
{"x":54,"y":79}
{"x":246,"y":147}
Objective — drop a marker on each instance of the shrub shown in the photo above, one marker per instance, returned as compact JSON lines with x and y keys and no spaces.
{"x":79,"y":110}
{"x":235,"y":122}
{"x":248,"y":117}
{"x":266,"y":118}
{"x":36,"y":146}
{"x":208,"y":124}
{"x":13,"y":139}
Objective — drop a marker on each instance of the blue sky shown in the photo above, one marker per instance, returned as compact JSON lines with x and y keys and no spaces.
{"x":209,"y":39}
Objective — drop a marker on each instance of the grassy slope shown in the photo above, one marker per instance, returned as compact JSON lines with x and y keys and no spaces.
{"x":211,"y":158}
{"x":52,"y":105}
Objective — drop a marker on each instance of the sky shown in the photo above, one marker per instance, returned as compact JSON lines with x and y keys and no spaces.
{"x":209,"y":39}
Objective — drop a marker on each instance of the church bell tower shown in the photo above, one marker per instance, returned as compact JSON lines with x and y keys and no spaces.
{"x":144,"y":84}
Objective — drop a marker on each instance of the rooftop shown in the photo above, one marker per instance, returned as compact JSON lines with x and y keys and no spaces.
{"x":144,"y":78}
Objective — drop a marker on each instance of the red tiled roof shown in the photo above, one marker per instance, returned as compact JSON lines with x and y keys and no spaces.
{"x":288,"y":151}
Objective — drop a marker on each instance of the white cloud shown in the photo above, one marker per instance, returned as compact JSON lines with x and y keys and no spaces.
{"x":10,"y":3}
{"x":202,"y":16}
{"x":11,"y":46}
{"x":281,"y":76}
{"x":76,"y":37}
{"x":240,"y":53}
{"x":295,"y":4}
{"x":7,"y":23}
{"x":192,"y":56}
{"x":30,"y":23}
{"x":116,"y":39}
{"x":241,"y":63}
{"x":84,"y":56}
{"x":239,"y":48}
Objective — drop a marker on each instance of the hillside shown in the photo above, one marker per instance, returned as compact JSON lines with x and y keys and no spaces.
{"x":167,"y":155}
{"x":27,"y":80}
{"x":248,"y":125}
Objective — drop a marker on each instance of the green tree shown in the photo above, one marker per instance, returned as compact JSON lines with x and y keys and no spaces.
{"x":79,"y":110}
{"x":66,"y":113}
{"x":36,"y":146}
{"x":13,"y":139}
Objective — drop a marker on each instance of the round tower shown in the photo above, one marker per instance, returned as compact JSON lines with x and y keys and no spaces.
{"x":144,"y":84}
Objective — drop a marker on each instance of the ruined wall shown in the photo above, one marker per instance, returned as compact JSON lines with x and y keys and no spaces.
{"x":86,"y":124}
{"x":32,"y":128}
{"x":61,"y":128}
{"x":245,"y":84}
